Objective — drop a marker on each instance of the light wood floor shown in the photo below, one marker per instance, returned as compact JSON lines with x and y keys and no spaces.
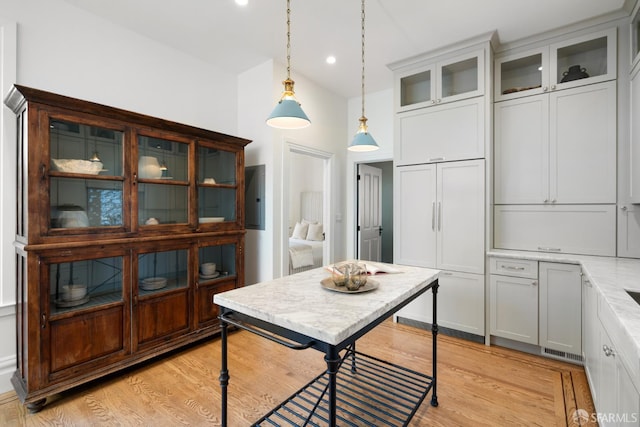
{"x":477,"y":385}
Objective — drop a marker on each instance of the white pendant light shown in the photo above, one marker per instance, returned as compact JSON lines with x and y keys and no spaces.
{"x":288,"y":113}
{"x":363,"y":141}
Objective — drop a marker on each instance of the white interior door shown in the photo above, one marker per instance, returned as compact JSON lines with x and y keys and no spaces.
{"x":369,"y":213}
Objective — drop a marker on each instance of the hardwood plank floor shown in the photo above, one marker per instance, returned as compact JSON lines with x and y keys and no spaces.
{"x":477,"y":385}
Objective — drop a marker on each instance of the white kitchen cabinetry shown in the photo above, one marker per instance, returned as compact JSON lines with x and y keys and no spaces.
{"x":591,"y":337}
{"x":634,"y":161}
{"x":440,"y":224}
{"x":426,"y":84}
{"x":440,"y":216}
{"x":547,"y":68}
{"x":557,"y":148}
{"x":560,"y":308}
{"x":575,"y":229}
{"x":453,"y":131}
{"x":460,"y":303}
{"x":629,"y":230}
{"x":513,"y":299}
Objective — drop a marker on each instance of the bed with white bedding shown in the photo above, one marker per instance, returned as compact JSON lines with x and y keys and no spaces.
{"x":306,"y":243}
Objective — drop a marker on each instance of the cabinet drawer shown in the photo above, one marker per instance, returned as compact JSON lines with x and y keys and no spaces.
{"x":514,"y":267}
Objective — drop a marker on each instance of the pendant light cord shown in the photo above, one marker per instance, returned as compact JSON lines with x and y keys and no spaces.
{"x":288,"y":39}
{"x":362,"y":20}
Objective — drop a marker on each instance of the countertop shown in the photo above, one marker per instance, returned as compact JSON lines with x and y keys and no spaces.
{"x":610,"y":276}
{"x":299,"y":302}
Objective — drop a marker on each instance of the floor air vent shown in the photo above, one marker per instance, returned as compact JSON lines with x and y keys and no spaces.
{"x":562,"y":355}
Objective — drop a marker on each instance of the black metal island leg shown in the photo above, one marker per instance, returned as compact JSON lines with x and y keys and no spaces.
{"x":224,"y":372}
{"x":434,"y":333}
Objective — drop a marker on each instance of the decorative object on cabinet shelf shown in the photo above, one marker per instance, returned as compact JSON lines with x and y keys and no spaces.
{"x":88,"y":167}
{"x":208,"y":268}
{"x":152,"y":221}
{"x":288,"y":113}
{"x":574,"y":73}
{"x":69,"y":216}
{"x":209,"y":181}
{"x":519,"y":89}
{"x":149,"y":168}
{"x":363,"y":141}
{"x":205,"y":219}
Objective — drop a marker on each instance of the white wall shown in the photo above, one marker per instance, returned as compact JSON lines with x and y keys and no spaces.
{"x":65,"y":50}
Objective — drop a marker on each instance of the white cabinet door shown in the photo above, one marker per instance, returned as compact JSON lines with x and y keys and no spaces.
{"x":591,"y":336}
{"x":460,"y":221}
{"x":629,"y":230}
{"x":514,"y":308}
{"x":561,"y":307}
{"x":522,"y":150}
{"x":583,"y":144}
{"x":440,"y":216}
{"x":415,"y":215}
{"x":460,"y":303}
{"x":634,"y":149}
{"x":575,"y":229}
{"x":452,"y":131}
{"x":628,"y":397}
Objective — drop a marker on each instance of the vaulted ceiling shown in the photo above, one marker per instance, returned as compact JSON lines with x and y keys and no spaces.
{"x":237,"y":38}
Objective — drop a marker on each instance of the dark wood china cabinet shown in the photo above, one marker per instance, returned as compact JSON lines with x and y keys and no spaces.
{"x":127,"y":225}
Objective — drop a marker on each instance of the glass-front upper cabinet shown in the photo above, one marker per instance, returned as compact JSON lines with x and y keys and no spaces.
{"x":635,"y":38}
{"x":448,"y":80}
{"x":569,"y":63}
{"x":163,"y":181}
{"x":85,"y":178}
{"x":217,"y":185}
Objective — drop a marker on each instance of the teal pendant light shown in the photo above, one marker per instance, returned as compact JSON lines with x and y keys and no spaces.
{"x":288,"y":113}
{"x":363,"y":141}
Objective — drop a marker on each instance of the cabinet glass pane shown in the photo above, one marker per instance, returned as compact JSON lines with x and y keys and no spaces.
{"x":415,"y":88}
{"x":581,"y":60}
{"x":216,"y":204}
{"x":85,"y":203}
{"x":80,"y":148}
{"x":460,"y":77}
{"x":162,"y":204}
{"x":162,"y":270}
{"x":224,"y":258}
{"x":635,"y":36}
{"x":162,"y":159}
{"x":216,"y":166}
{"x":86,"y":283}
{"x":521,"y":74}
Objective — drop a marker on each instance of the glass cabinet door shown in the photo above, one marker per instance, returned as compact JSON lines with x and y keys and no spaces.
{"x":217,"y":185}
{"x":217,"y":261}
{"x":590,"y":57}
{"x":522,"y":74}
{"x":160,"y":271}
{"x":85,"y":283}
{"x":86,"y":177}
{"x":417,"y":88}
{"x":163,"y":183}
{"x":461,"y":77}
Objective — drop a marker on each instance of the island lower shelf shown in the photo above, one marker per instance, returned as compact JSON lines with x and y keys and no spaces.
{"x":373,"y":392}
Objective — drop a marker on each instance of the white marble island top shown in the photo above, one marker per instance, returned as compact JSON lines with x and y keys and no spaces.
{"x":610,"y":276}
{"x":299,"y":302}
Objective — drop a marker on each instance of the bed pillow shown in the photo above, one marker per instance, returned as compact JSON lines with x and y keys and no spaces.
{"x":315,"y":232}
{"x":306,"y":221}
{"x":300,"y":231}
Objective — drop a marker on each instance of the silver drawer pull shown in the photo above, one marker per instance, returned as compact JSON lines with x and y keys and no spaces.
{"x":435,"y":159}
{"x":510,"y":267}
{"x":541,"y":248}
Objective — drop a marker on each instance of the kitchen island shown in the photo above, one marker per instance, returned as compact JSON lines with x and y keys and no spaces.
{"x":356,"y":389}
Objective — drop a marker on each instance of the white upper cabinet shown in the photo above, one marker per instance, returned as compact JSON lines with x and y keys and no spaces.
{"x":557,"y":148}
{"x":575,"y":62}
{"x":452,"y":131}
{"x":431,"y":83}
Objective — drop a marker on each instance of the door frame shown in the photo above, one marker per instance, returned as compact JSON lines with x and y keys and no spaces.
{"x":328,"y":159}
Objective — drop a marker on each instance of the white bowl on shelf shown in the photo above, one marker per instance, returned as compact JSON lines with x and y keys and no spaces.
{"x":73,"y":292}
{"x":151,"y":283}
{"x":76,"y":166}
{"x":205,"y":219}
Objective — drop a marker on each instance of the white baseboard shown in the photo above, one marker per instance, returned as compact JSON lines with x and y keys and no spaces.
{"x":8,"y":357}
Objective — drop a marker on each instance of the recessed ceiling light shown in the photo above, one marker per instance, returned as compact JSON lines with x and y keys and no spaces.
{"x":331,"y":59}
{"x":242,"y":2}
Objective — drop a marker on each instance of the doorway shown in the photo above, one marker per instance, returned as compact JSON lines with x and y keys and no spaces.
{"x":374,"y":211}
{"x":306,"y":198}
